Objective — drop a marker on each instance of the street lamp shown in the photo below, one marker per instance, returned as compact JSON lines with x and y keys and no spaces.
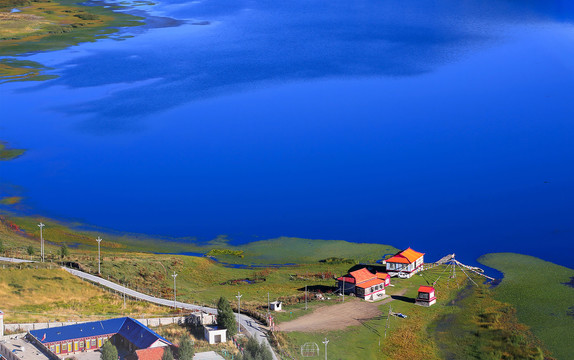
{"x":40,"y":225}
{"x":99,"y":240}
{"x":174,"y":293}
{"x":326,"y":342}
{"x":238,"y":296}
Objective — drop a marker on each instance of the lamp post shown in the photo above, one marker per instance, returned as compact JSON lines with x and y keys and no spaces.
{"x":40,"y":225}
{"x":326,"y":342}
{"x":238,"y":296}
{"x":99,"y":240}
{"x":174,"y":293}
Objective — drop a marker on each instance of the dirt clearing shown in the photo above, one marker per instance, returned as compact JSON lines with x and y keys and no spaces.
{"x":336,"y":317}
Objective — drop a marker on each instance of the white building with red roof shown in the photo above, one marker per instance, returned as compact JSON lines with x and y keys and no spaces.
{"x":364,"y":284}
{"x":426,"y":296}
{"x":405,"y":263}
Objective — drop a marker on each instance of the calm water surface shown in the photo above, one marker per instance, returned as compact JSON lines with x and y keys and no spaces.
{"x":442,"y":125}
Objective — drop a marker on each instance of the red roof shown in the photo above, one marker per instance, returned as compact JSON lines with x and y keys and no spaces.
{"x":426,"y":289}
{"x":406,"y":256}
{"x":362,"y":275}
{"x":382,"y":275}
{"x":150,"y":353}
{"x":371,"y":283}
{"x":347,"y":279}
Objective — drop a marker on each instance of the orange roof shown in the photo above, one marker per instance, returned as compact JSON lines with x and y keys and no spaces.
{"x":406,"y":256}
{"x":370,"y":283}
{"x":426,"y":289}
{"x":150,"y":353}
{"x":362,"y":275}
{"x":382,"y":275}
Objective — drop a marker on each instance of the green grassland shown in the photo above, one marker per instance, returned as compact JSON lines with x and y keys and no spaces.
{"x":537,"y":289}
{"x":476,"y":327}
{"x":406,"y":338}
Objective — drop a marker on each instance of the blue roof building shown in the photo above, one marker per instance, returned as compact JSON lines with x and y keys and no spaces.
{"x":125,"y":333}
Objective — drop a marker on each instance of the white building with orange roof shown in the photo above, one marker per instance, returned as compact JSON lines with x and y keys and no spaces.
{"x":405,"y":263}
{"x":365,"y":284}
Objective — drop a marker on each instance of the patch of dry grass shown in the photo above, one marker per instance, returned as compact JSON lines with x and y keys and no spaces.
{"x":53,"y":294}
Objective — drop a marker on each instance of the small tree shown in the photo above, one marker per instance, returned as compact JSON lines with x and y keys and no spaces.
{"x":186,"y":351}
{"x":2,"y":247}
{"x":256,"y":351}
{"x":64,"y":251}
{"x":30,"y":250}
{"x":225,"y":316}
{"x":109,"y":351}
{"x":167,"y":354}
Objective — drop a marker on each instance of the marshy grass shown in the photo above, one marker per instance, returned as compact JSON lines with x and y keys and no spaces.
{"x":537,"y":289}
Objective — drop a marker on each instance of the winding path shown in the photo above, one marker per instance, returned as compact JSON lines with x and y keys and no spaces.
{"x":250,"y":325}
{"x":253,"y":328}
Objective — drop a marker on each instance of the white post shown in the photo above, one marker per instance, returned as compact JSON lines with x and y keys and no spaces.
{"x":1,"y":324}
{"x":40,"y":225}
{"x":326,"y":342}
{"x":343,"y":288}
{"x":174,"y":293}
{"x":305,"y":297}
{"x":238,"y":296}
{"x":99,"y":239}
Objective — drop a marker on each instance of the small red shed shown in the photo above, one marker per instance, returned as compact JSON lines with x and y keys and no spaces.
{"x":426,"y":296}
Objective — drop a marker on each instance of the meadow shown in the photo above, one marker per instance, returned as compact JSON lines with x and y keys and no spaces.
{"x":538,"y":290}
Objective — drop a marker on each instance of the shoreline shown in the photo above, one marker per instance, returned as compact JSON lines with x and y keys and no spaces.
{"x":49,"y":25}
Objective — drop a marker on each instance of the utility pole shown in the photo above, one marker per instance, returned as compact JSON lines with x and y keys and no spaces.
{"x":343,"y":288}
{"x":268,"y":304}
{"x":326,"y":342}
{"x":99,"y":240}
{"x":174,"y":293}
{"x":238,"y":296}
{"x":388,"y":319}
{"x":40,"y":225}
{"x":305,"y":297}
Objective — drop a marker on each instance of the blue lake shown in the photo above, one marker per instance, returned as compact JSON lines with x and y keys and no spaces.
{"x":447,"y":125}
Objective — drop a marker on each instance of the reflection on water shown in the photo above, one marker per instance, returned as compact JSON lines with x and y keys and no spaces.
{"x":441,"y":125}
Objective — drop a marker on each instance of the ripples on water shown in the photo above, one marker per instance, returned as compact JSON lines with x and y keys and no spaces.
{"x":441,"y":125}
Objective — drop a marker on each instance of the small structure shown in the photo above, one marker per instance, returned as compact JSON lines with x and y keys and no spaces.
{"x":201,"y":318}
{"x":405,"y":263}
{"x":125,"y":333}
{"x":147,"y":354}
{"x":1,"y":323}
{"x":214,"y":335}
{"x":426,"y":296}
{"x":275,"y":306}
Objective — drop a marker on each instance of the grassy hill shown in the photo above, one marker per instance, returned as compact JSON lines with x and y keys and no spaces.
{"x":29,"y":294}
